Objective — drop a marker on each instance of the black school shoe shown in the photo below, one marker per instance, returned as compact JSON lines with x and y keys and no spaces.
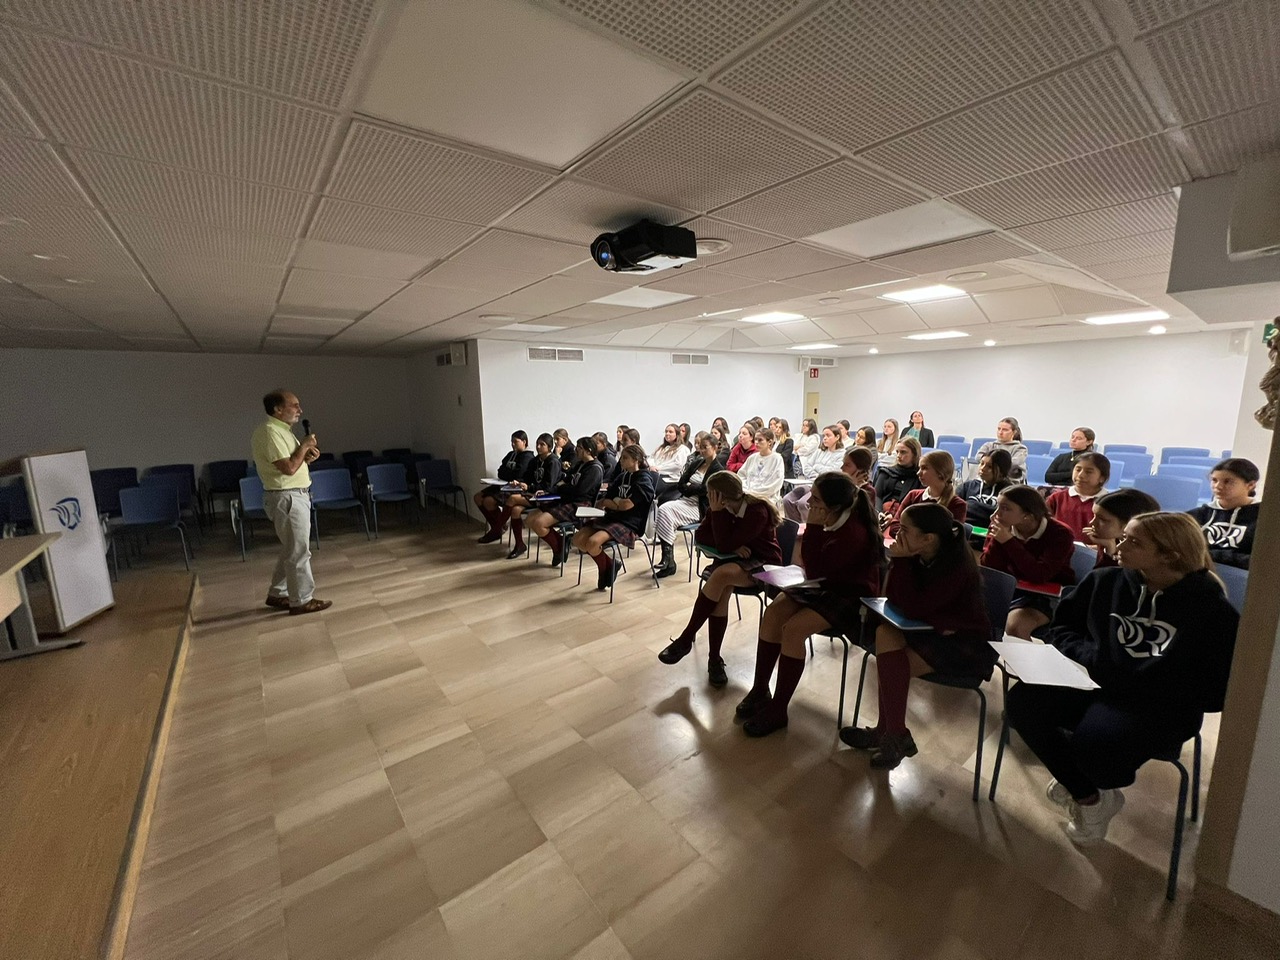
{"x":520,"y":550}
{"x":860,"y":738}
{"x":766,"y":721}
{"x":607,"y":576}
{"x":893,"y":750}
{"x":675,"y":651}
{"x":752,"y":704}
{"x":716,"y":675}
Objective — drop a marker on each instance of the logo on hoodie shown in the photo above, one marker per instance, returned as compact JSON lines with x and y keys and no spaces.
{"x":1224,"y":534}
{"x":1142,"y":639}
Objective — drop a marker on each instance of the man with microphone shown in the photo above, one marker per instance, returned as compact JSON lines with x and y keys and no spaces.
{"x":282,"y":466}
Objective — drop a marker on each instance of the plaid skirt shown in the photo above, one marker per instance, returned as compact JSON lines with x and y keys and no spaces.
{"x":966,"y":655}
{"x":561,"y":511}
{"x":749,"y":564}
{"x":620,"y":533}
{"x":1026,"y":600}
{"x":841,"y":610}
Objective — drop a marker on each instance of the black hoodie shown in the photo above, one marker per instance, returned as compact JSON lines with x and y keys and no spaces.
{"x":981,"y":499}
{"x":1229,"y":532}
{"x":1165,"y":651}
{"x":698,"y":491}
{"x":893,"y":482}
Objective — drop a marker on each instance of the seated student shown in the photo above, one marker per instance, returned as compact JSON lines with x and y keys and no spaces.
{"x":806,"y":444}
{"x":857,"y":465}
{"x":620,"y":436}
{"x":937,"y":472}
{"x":932,"y":577}
{"x":736,"y":523}
{"x":1027,"y":543}
{"x":563,"y":450}
{"x":1059,"y":472}
{"x":1230,"y":519}
{"x":841,"y":547}
{"x":626,"y":510}
{"x":843,"y":427}
{"x":866,"y":437}
{"x":1009,"y":437}
{"x":577,"y":487}
{"x":669,"y":459}
{"x":1111,"y":512}
{"x":722,"y":437}
{"x":826,"y":459}
{"x":744,"y":448}
{"x":887,"y":448}
{"x":510,"y":470}
{"x":916,"y":428}
{"x":980,"y":493}
{"x":630,"y":435}
{"x":721,"y":424}
{"x":783,"y":445}
{"x":1157,"y":635}
{"x":605,"y":453}
{"x":894,"y":481}
{"x":539,"y":477}
{"x":1074,"y":506}
{"x":686,"y":436}
{"x":691,"y":505}
{"x":763,"y":472}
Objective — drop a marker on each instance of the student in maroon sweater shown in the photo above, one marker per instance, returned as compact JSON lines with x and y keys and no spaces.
{"x":735,"y":523}
{"x":1024,"y":541}
{"x":1074,"y":505}
{"x":857,"y":465}
{"x":934,"y":578}
{"x":744,"y":448}
{"x":841,"y":548}
{"x":937,"y":472}
{"x":1111,"y":512}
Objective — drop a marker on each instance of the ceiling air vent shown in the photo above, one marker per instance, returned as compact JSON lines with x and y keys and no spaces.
{"x":555,"y":353}
{"x":820,"y":361}
{"x":574,"y":355}
{"x":542,"y":353}
{"x":691,"y":359}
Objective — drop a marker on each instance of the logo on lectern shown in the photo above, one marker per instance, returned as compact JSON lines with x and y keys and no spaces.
{"x":68,"y":511}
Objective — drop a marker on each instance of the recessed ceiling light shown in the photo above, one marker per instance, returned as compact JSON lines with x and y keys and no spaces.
{"x":968,"y":276}
{"x":813,"y":346}
{"x":874,"y":350}
{"x":76,"y":280}
{"x":1133,"y":316}
{"x":828,"y":299}
{"x":711,"y":246}
{"x":643,"y":297}
{"x":49,"y":256}
{"x":774,"y":316}
{"x":1157,"y":330}
{"x":988,"y":343}
{"x":531,"y":327}
{"x":938,"y":291}
{"x":722,"y":313}
{"x":496,"y":317}
{"x":921,"y":225}
{"x":937,"y":335}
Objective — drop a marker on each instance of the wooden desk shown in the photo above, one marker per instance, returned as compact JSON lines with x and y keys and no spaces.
{"x":18,"y":637}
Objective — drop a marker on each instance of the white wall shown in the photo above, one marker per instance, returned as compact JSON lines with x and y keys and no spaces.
{"x":447,"y":420}
{"x":141,"y":409}
{"x":641,"y":388}
{"x":1181,"y":390}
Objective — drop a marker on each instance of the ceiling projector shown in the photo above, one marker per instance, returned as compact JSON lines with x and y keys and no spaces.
{"x":644,"y":247}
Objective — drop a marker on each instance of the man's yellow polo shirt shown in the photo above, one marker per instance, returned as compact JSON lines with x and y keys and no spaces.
{"x":272,"y":441}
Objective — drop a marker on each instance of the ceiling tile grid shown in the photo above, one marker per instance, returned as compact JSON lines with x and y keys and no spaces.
{"x":700,"y":283}
{"x":895,"y":319}
{"x":1135,"y":267}
{"x":173,"y":237}
{"x":1148,"y":14}
{"x":1111,"y":223}
{"x":154,"y":190}
{"x":792,"y":260}
{"x":533,"y":254}
{"x":693,"y":33}
{"x":1008,"y":306}
{"x":742,"y":240}
{"x":394,"y":168}
{"x":301,"y":50}
{"x":308,"y":290}
{"x":377,"y":228}
{"x":430,"y":304}
{"x":957,"y":253}
{"x":580,"y":212}
{"x":701,"y":153}
{"x":826,"y":72}
{"x":845,"y":278}
{"x":1222,"y":59}
{"x":13,"y":119}
{"x":361,"y":262}
{"x":1125,"y":248}
{"x":1132,"y":171}
{"x":1075,"y":301}
{"x":1228,"y":143}
{"x":33,"y":176}
{"x":822,"y":200}
{"x":480,"y":278}
{"x":90,"y":98}
{"x":1087,"y":108}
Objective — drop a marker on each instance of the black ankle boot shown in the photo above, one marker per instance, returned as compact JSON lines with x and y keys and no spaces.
{"x":667,"y":565}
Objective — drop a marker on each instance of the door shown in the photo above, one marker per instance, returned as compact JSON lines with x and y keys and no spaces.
{"x":811,"y":405}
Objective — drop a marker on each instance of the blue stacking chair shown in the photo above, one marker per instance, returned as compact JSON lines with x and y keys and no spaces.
{"x":1175,"y":494}
{"x":224,"y":478}
{"x":945,"y":438}
{"x":322,"y":464}
{"x":1083,"y":561}
{"x":1226,"y":454}
{"x":1237,"y":582}
{"x":15,"y":509}
{"x":1190,"y":472}
{"x":1038,"y":448}
{"x":249,"y":507}
{"x":959,"y":451}
{"x":1168,"y":452}
{"x":1204,"y":463}
{"x":150,"y":506}
{"x":184,"y":478}
{"x":977,"y":444}
{"x":331,"y":490}
{"x":1036,"y":467}
{"x":1111,"y":448}
{"x":436,"y":477}
{"x":387,"y":483}
{"x":1135,"y":465}
{"x":107,"y":484}
{"x":395,"y":453}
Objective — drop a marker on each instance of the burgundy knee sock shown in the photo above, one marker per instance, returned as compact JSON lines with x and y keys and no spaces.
{"x":500,"y":518}
{"x":603,"y":560}
{"x":702,"y":608}
{"x":895,"y":677}
{"x":766,"y":659}
{"x":789,"y":671}
{"x":716,"y":626}
{"x":553,"y":541}
{"x":517,"y":530}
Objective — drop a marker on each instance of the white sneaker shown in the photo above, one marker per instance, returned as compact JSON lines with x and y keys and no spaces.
{"x":1089,"y":823}
{"x":1058,"y":795}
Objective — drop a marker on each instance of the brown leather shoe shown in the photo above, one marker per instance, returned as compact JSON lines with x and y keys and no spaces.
{"x":311,"y":606}
{"x":279,"y":603}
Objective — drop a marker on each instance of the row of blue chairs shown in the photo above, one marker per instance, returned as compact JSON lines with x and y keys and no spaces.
{"x":961,"y":449}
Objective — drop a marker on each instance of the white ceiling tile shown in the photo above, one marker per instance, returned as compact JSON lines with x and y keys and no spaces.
{"x":1082,"y":302}
{"x":312,"y":290}
{"x":762,"y":335}
{"x":580,"y":212}
{"x":844,"y":278}
{"x":1228,"y":143}
{"x":34,"y":313}
{"x":389,"y":168}
{"x":522,"y":253}
{"x":792,"y":260}
{"x":377,"y":228}
{"x":548,"y":296}
{"x":955,"y":254}
{"x":702,"y":338}
{"x":430,"y":304}
{"x":716,"y":152}
{"x":1124,"y":220}
{"x":672,"y":335}
{"x":33,"y":175}
{"x":700,"y":283}
{"x":1124,"y":248}
{"x":1135,"y":267}
{"x":895,"y":319}
{"x":494,"y":73}
{"x":1006,"y":306}
{"x":943,"y":314}
{"x":340,"y":258}
{"x":841,"y":327}
{"x":590,"y":313}
{"x":13,"y":118}
{"x":636,"y":337}
{"x":316,"y":326}
{"x":482,"y":278}
{"x":800,"y":331}
{"x":170,"y":237}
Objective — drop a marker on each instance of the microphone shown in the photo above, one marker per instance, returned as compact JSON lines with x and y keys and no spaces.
{"x":306,"y":427}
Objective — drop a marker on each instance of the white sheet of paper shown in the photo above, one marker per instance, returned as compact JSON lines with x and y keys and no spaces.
{"x":588,"y":512}
{"x":1043,"y":664}
{"x":493,"y":481}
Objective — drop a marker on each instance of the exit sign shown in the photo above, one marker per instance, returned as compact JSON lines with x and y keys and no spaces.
{"x":813,"y":373}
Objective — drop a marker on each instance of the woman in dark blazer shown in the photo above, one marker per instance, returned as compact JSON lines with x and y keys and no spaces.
{"x":915,"y":428}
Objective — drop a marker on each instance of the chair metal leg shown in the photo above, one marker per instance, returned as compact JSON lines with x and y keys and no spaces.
{"x":1175,"y":855}
{"x":373,"y":507}
{"x":1195,"y":777}
{"x":1004,"y":734}
{"x":982,"y":733}
{"x":737,"y":602}
{"x":365,"y":520}
{"x":844,"y":679}
{"x":186,"y":560}
{"x":862,"y":679}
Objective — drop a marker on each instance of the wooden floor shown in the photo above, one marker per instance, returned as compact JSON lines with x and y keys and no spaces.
{"x":76,"y":729}
{"x":470,"y":758}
